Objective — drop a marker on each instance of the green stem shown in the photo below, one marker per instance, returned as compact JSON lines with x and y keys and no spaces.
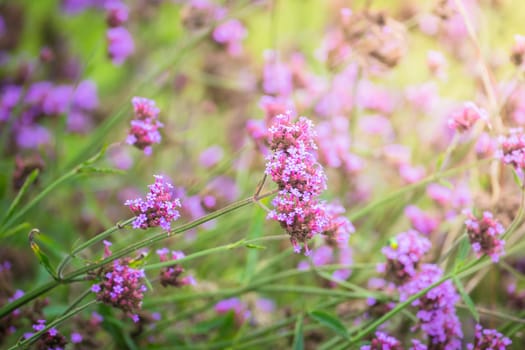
{"x":88,"y":243}
{"x":35,"y":293}
{"x":56,"y":322}
{"x":163,"y":235}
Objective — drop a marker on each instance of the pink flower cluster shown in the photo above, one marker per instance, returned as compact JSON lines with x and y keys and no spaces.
{"x":51,"y":339}
{"x":238,"y":307}
{"x":489,"y":339}
{"x":436,"y":309}
{"x":122,"y":288}
{"x":293,"y":166}
{"x":512,"y":150}
{"x":171,"y":275}
{"x":159,"y":207}
{"x":484,"y":235}
{"x":465,"y":117}
{"x":383,"y":341}
{"x":120,"y":41}
{"x":231,"y":34}
{"x":144,"y":130}
{"x":403,"y":255}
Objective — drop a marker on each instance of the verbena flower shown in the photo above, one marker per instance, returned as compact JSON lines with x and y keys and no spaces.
{"x":436,"y":309}
{"x":50,"y":339}
{"x":383,"y":341}
{"x":159,"y":208}
{"x":463,"y":118}
{"x":171,"y":275}
{"x":144,"y":130}
{"x":403,"y":254}
{"x":484,"y":235}
{"x":238,"y":307}
{"x":231,"y":33}
{"x":293,"y":166}
{"x":420,"y":220}
{"x":512,"y":150}
{"x":489,"y":339}
{"x":121,"y":287}
{"x":120,"y":45}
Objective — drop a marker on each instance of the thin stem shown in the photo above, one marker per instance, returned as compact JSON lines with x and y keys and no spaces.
{"x":26,"y":342}
{"x":35,"y":293}
{"x":163,"y":235}
{"x":90,"y":242}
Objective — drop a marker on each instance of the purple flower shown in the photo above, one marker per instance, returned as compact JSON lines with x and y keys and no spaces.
{"x":171,"y":275}
{"x":277,"y":78}
{"x":144,"y":130}
{"x":32,"y":136}
{"x":145,"y":108}
{"x":436,"y":309}
{"x":465,"y":117}
{"x":484,"y":235}
{"x":85,"y":96}
{"x":489,"y":339}
{"x":121,"y":287}
{"x":420,"y":220}
{"x":403,"y":254}
{"x":383,"y":341}
{"x":231,"y":33}
{"x":158,"y":208}
{"x":76,"y":338}
{"x":117,"y":13}
{"x":237,"y":306}
{"x":9,"y":99}
{"x":512,"y":150}
{"x":120,"y":45}
{"x":211,"y":156}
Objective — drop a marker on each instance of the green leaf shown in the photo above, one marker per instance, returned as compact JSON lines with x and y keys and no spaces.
{"x":517,"y":178}
{"x":255,"y":246}
{"x":439,"y":161}
{"x":40,"y":255}
{"x":463,"y":250}
{"x":330,"y":321}
{"x":466,"y":298}
{"x":298,"y":339}
{"x":29,"y":180}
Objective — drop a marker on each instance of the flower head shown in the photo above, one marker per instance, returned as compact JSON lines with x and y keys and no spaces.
{"x":159,"y":208}
{"x":171,"y":275}
{"x":489,"y":339}
{"x":120,"y":45}
{"x":465,"y":117}
{"x":484,"y":235}
{"x":383,"y":341}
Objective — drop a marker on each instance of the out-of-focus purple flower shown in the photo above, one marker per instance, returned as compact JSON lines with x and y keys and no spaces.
{"x":383,"y":341}
{"x":171,"y":275}
{"x":277,"y":78}
{"x":440,"y":194}
{"x":144,"y":130}
{"x":376,"y":125}
{"x":122,"y":288}
{"x":76,"y":338}
{"x":32,"y":136}
{"x":411,"y":174}
{"x":58,"y":100}
{"x":79,"y":122}
{"x":422,"y":97}
{"x":420,"y":220}
{"x":158,"y":209}
{"x":50,"y":339}
{"x":117,"y":12}
{"x":85,"y":96}
{"x":518,"y":50}
{"x":436,"y":309}
{"x":120,"y":157}
{"x":120,"y":45}
{"x":512,"y":149}
{"x":397,"y":154}
{"x":484,"y":235}
{"x":403,"y":254}
{"x":239,"y":308}
{"x":489,"y":339}
{"x":338,"y":227}
{"x":462,"y":119}
{"x":486,"y":146}
{"x":211,"y":156}
{"x":77,"y":6}
{"x":231,"y":33}
{"x":10,"y":97}
{"x":436,"y":63}
{"x":375,"y":98}
{"x":417,"y":345}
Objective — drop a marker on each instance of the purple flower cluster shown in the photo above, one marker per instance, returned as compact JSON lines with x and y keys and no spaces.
{"x":26,"y":108}
{"x":159,"y":207}
{"x":144,"y":130}
{"x":489,"y":339}
{"x":436,"y":309}
{"x":122,"y":288}
{"x":293,"y":166}
{"x":171,"y":275}
{"x":420,"y":220}
{"x":484,"y":235}
{"x":512,"y":150}
{"x":403,"y":254}
{"x":231,"y":34}
{"x":50,"y":340}
{"x":120,"y":42}
{"x":383,"y":341}
{"x":238,"y":307}
{"x":465,"y":117}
